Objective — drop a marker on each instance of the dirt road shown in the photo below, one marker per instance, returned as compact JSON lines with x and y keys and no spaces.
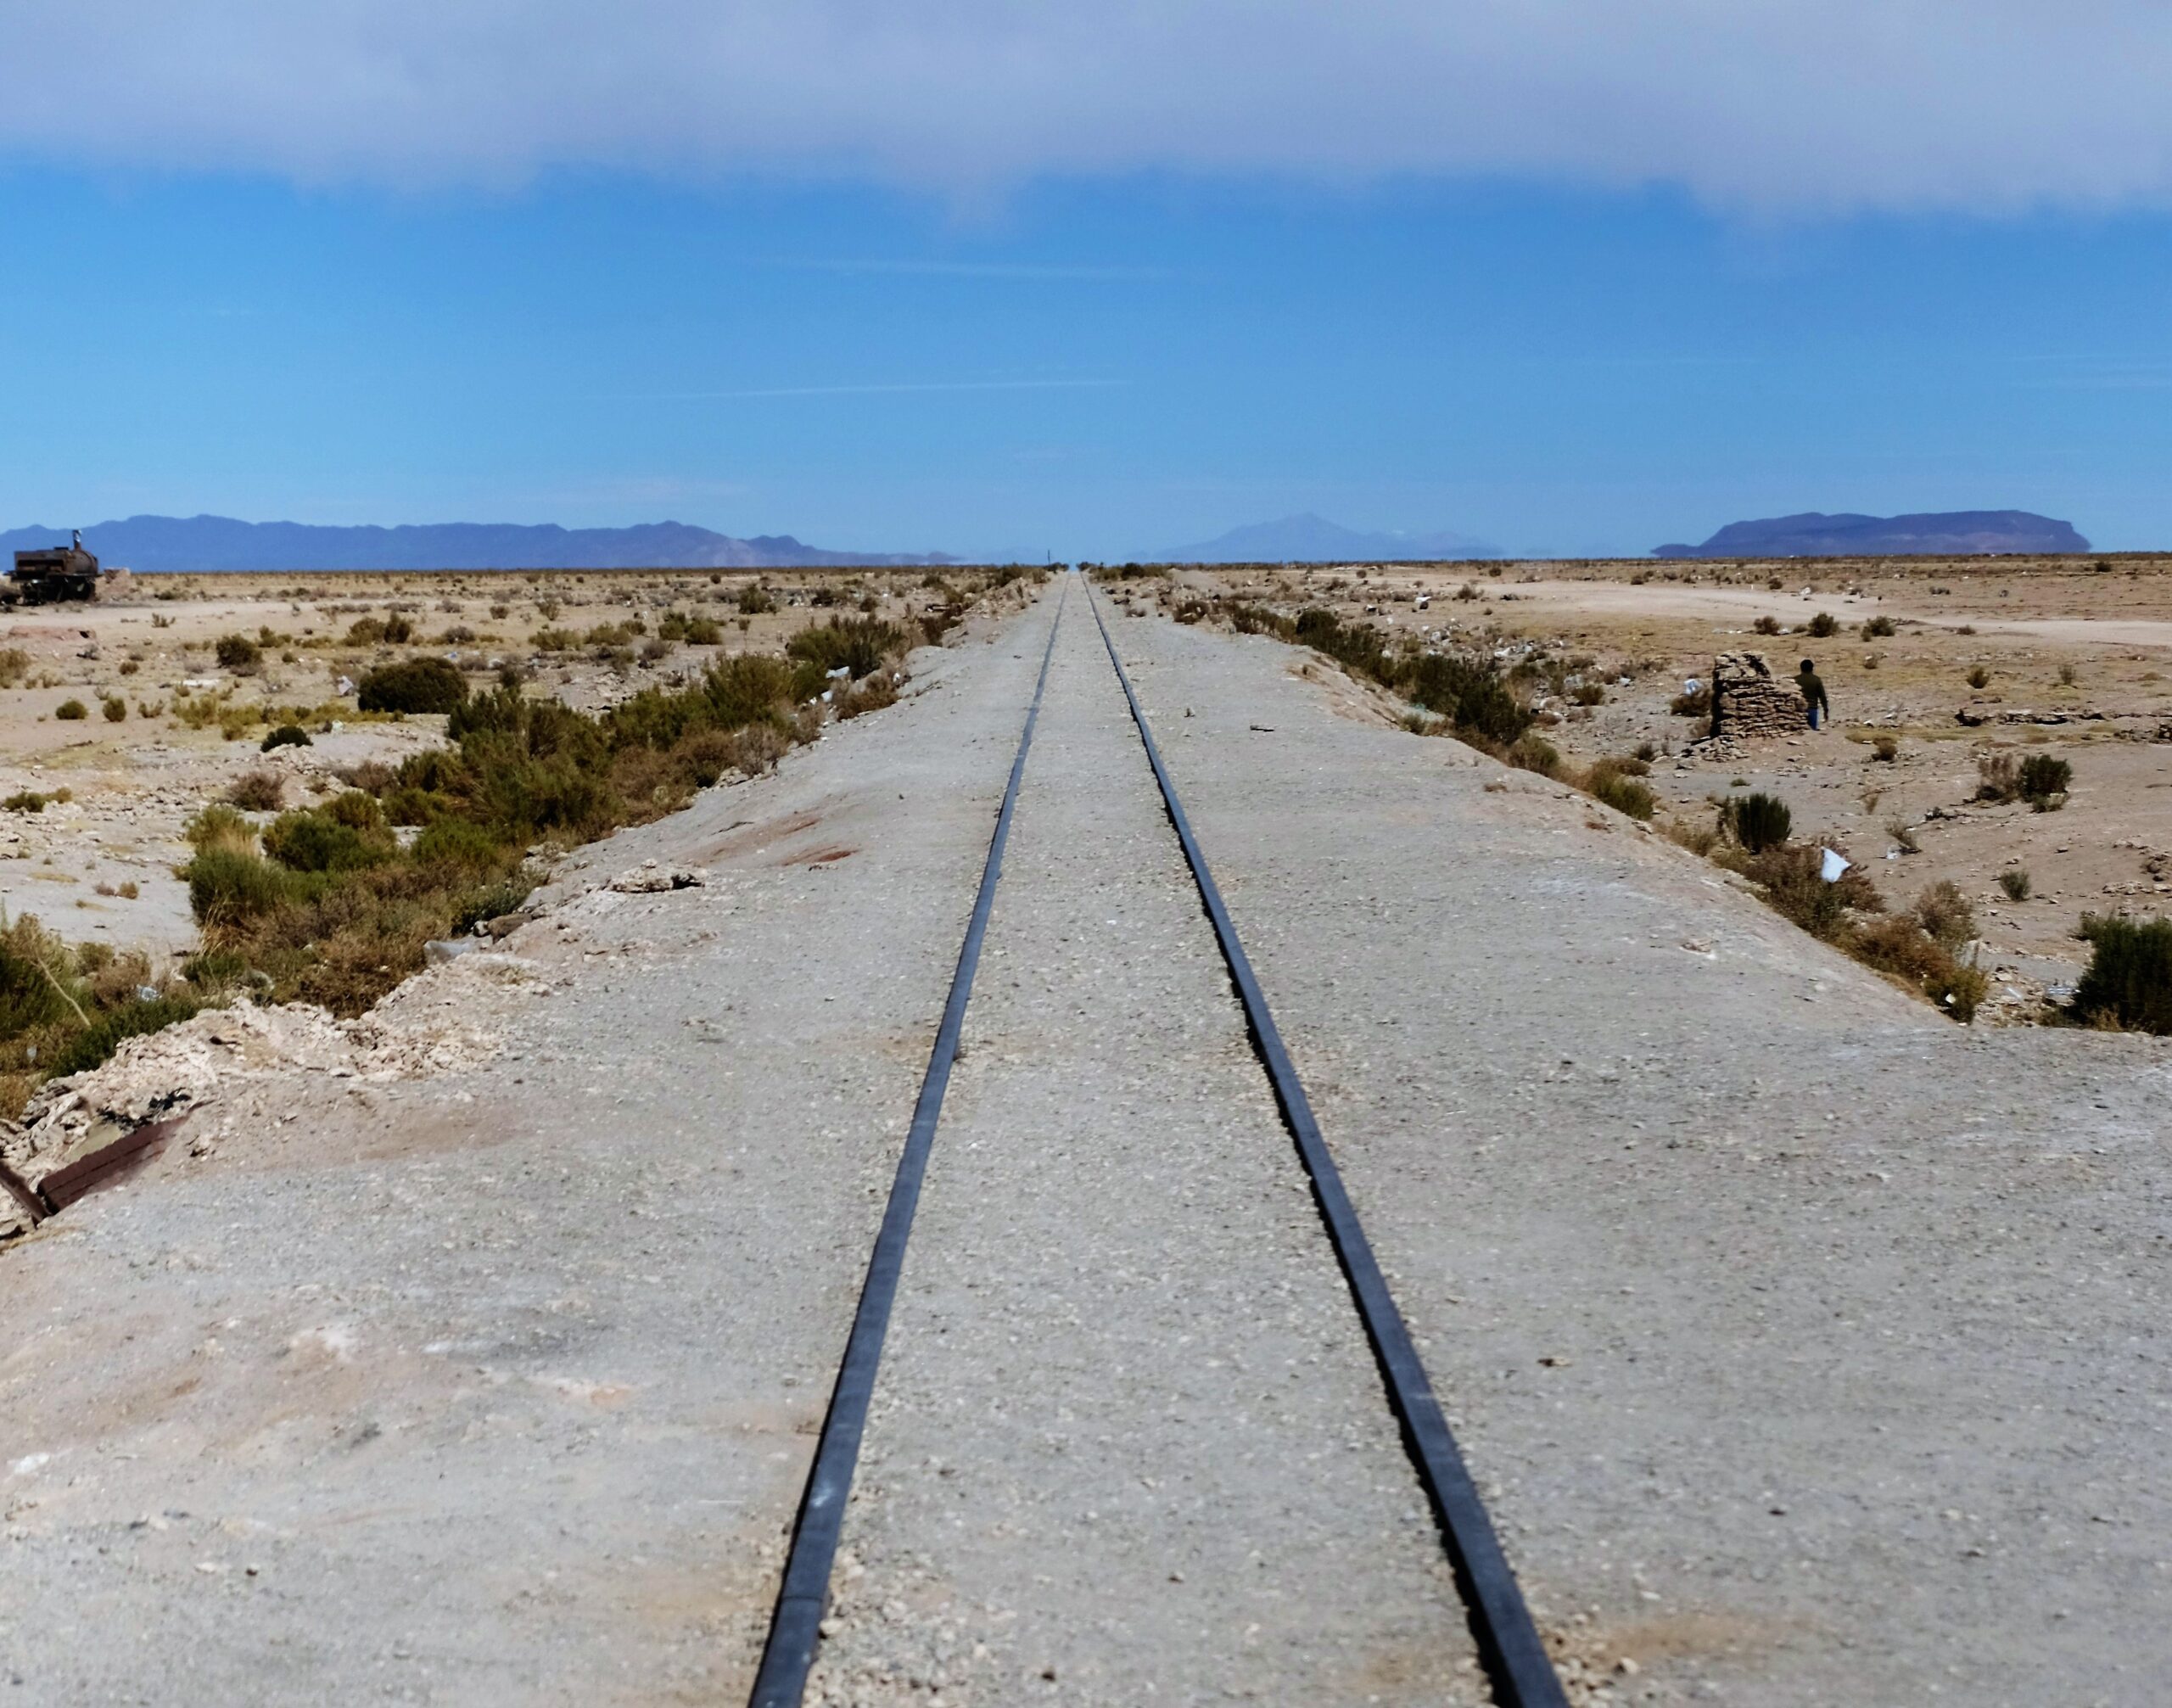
{"x":1811,"y":1349}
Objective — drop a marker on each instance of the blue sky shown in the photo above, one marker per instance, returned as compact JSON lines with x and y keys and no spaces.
{"x":905,"y":339}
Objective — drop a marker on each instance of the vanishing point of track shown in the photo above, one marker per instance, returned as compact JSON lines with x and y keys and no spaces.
{"x":1509,"y":1645}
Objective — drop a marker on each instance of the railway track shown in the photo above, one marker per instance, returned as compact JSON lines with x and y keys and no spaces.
{"x":1507,"y":1645}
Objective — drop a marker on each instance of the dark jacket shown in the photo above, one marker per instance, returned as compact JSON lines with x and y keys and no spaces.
{"x":1813,"y":690}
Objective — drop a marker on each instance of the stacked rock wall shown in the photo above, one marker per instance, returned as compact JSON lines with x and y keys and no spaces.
{"x":1748,"y":701}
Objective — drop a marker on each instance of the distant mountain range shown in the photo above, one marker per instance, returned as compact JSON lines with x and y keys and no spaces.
{"x":171,"y":544}
{"x":1949,"y":533}
{"x":1310,"y":538}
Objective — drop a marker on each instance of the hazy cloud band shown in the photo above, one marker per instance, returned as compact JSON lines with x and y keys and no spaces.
{"x":1749,"y":103}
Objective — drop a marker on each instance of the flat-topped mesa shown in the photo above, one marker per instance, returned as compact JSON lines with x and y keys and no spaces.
{"x":1748,"y":701}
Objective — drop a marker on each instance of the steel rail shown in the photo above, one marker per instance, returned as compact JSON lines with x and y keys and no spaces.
{"x":1509,"y":1643}
{"x":795,"y":1625}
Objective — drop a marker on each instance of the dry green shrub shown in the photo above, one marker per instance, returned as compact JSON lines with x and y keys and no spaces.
{"x":71,"y":711}
{"x":2129,"y":980}
{"x":1532,"y":752}
{"x":1611,"y":782}
{"x":418,"y":684}
{"x":2015,"y":881}
{"x":871,"y":693}
{"x":1944,"y":912}
{"x":1757,"y":821}
{"x":258,"y":791}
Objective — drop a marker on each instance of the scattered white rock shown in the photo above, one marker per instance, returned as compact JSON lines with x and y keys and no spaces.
{"x":652,"y":876}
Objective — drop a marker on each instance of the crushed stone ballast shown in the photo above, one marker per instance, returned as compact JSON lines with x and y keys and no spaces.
{"x":1514,"y":1658}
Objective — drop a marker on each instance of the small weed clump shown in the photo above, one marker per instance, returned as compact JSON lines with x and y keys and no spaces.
{"x":285,"y":736}
{"x":1757,"y":821}
{"x":2040,"y":778}
{"x":238,"y":653}
{"x":1468,"y":691}
{"x":1885,"y":750}
{"x":1767,"y":625}
{"x":258,"y":791}
{"x":1877,"y":628}
{"x":1824,"y":625}
{"x":114,"y":707}
{"x":63,"y":1009}
{"x":857,"y":645}
{"x":1693,"y":703}
{"x":755,"y":601}
{"x":419,"y":684}
{"x":2129,"y":980}
{"x":2014,"y":881}
{"x":1614,"y":783}
{"x":71,"y":711}
{"x":1979,"y":678}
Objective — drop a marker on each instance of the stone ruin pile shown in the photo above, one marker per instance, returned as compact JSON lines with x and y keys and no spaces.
{"x":1748,"y":701}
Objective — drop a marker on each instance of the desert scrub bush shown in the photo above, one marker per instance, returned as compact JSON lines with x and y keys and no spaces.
{"x":1792,"y":880}
{"x":285,"y":736}
{"x":693,"y":631}
{"x":1587,"y":694}
{"x":1757,"y":821}
{"x":1945,"y":913}
{"x":1876,"y":627}
{"x":114,"y":707}
{"x":418,"y":685}
{"x":1608,"y":782}
{"x":756,"y":600}
{"x":554,"y":640}
{"x":1979,"y":678}
{"x":1693,"y":703}
{"x":1531,"y":752}
{"x":95,"y":1043}
{"x":2129,"y":980}
{"x":1885,"y":750}
{"x":1998,"y":777}
{"x":859,"y":645}
{"x":26,"y":801}
{"x":258,"y":791}
{"x":1766,"y":625}
{"x":2040,"y":778}
{"x":2043,"y":781}
{"x":871,"y":693}
{"x":238,"y":653}
{"x":1824,"y":625}
{"x":71,"y":711}
{"x":15,"y":665}
{"x":2067,"y":675}
{"x":2015,"y":881}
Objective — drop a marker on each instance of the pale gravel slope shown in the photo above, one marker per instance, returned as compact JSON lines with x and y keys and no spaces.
{"x":1128,"y":1443}
{"x":505,"y":1382}
{"x":1814,"y":1348}
{"x":502,"y":1380}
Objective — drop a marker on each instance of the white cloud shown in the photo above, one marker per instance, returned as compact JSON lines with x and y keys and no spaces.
{"x":1757,"y":105}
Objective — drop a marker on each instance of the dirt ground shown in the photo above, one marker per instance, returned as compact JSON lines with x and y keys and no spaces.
{"x":2078,"y":653}
{"x":131,"y":784}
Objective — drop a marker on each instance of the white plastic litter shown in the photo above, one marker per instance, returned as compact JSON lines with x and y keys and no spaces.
{"x":1833,"y":866}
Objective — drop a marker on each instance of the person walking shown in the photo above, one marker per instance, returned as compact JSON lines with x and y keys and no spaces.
{"x":1813,"y":693}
